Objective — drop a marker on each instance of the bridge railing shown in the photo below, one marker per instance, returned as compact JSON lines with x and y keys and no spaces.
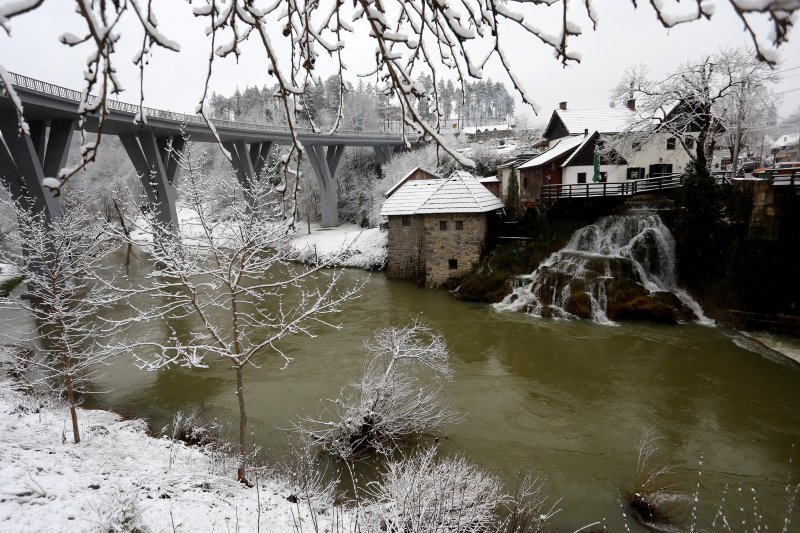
{"x":18,"y":80}
{"x":552,"y":193}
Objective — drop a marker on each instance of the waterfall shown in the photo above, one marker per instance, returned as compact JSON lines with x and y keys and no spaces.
{"x":606,"y":266}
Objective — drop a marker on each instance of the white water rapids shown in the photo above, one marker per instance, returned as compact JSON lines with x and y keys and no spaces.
{"x":640,"y":244}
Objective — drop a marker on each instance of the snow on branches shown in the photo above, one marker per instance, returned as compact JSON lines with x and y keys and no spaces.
{"x":397,"y":396}
{"x":454,"y":39}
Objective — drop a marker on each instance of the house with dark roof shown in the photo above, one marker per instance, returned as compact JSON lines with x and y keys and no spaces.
{"x":574,"y":135}
{"x":437,"y":227}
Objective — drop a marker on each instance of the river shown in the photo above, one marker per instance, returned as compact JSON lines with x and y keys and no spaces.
{"x":569,"y":398}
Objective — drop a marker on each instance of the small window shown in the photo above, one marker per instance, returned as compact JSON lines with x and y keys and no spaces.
{"x":671,"y":141}
{"x":635,"y":173}
{"x":452,"y":264}
{"x":581,"y":177}
{"x":689,"y":141}
{"x":604,"y":177}
{"x":637,"y":146}
{"x":524,"y":183}
{"x":406,"y":220}
{"x":459,"y":224}
{"x":443,"y":225}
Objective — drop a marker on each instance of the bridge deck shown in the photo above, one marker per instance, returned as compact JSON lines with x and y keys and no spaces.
{"x":43,"y":100}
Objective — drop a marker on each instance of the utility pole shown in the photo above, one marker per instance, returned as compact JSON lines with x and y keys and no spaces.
{"x":738,"y":134}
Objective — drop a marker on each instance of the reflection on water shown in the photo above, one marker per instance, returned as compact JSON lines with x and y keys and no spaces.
{"x":569,"y":398}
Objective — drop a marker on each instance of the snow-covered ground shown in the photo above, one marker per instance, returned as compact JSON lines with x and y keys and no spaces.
{"x":7,"y":272}
{"x":347,"y":245}
{"x":118,"y":476}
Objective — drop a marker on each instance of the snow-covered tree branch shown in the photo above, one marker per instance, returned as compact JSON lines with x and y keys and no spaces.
{"x":396,"y":397}
{"x":231,"y":273}
{"x":60,"y":260}
{"x":411,"y":38}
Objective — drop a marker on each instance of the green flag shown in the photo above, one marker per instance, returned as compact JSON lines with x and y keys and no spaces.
{"x":596,"y":177}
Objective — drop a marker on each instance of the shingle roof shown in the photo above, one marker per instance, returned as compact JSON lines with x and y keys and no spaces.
{"x":563,"y":146}
{"x":404,"y":178}
{"x":459,"y":193}
{"x":603,"y":120}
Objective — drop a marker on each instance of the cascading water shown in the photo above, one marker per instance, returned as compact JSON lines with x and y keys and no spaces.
{"x":618,"y":267}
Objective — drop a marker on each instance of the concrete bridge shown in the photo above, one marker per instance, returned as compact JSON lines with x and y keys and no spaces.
{"x":52,"y":114}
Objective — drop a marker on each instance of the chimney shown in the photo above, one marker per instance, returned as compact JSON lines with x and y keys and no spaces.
{"x":562,"y":106}
{"x":586,"y":132}
{"x":631,"y":104}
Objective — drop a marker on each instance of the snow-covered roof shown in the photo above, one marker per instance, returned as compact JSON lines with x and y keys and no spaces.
{"x":489,"y":179}
{"x":521,"y":158}
{"x":461,"y":192}
{"x":785,"y":140}
{"x":480,"y":129}
{"x":402,"y":180}
{"x":603,"y":120}
{"x":563,"y":146}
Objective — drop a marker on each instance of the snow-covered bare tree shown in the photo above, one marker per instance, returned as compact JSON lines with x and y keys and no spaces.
{"x":692,"y":106}
{"x":426,"y":493}
{"x":412,"y":38}
{"x":60,"y":259}
{"x":231,"y":272}
{"x":398,"y":395}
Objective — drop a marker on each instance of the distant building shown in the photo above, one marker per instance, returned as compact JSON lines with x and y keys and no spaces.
{"x":512,"y":165}
{"x":573,"y":136}
{"x":491,"y":183}
{"x":437,"y":227}
{"x":482,"y":133}
{"x":418,"y":173}
{"x":786,"y":148}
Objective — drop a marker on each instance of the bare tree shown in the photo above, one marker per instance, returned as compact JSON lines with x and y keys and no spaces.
{"x":236,"y":278}
{"x":392,"y":400}
{"x":411,"y":37}
{"x":692,"y":105}
{"x":426,"y":493}
{"x":59,"y":260}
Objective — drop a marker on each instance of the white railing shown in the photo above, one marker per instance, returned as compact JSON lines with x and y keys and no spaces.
{"x":44,"y":87}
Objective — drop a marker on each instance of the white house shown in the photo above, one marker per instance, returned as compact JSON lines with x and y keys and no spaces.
{"x":575,"y":134}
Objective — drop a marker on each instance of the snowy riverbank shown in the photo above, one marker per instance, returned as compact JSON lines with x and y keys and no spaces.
{"x":119,"y":477}
{"x":346,"y":245}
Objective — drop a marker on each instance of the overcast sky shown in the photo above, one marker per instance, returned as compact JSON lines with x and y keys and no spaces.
{"x":625,"y":36}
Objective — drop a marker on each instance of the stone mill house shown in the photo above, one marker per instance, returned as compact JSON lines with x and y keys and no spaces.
{"x":437,"y":227}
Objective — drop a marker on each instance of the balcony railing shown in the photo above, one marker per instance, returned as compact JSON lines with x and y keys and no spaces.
{"x":552,"y":193}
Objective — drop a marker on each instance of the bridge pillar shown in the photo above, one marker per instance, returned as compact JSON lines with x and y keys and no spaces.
{"x":169,"y":148}
{"x":325,"y":161}
{"x":148,"y":160}
{"x":383,"y":153}
{"x":248,"y":163}
{"x":25,"y":160}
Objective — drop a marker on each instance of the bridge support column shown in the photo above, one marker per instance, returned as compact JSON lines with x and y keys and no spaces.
{"x":169,"y":148}
{"x":248,"y":163}
{"x":148,"y":160}
{"x":27,"y":159}
{"x":383,"y":153}
{"x":325,"y":161}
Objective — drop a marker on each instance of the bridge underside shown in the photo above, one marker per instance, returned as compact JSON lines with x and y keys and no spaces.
{"x":155,"y":150}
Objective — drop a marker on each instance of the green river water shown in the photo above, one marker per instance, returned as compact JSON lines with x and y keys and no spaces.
{"x":569,"y":398}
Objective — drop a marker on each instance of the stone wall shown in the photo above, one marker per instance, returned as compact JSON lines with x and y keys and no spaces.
{"x":764,"y":220}
{"x":441,"y":246}
{"x":406,"y":243}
